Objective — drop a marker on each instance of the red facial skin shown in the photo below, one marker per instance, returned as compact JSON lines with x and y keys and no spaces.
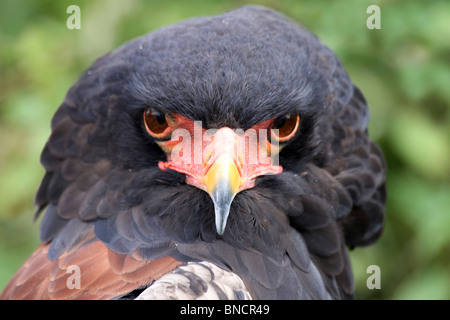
{"x":192,"y":150}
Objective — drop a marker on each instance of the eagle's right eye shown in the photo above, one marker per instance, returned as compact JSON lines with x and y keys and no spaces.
{"x":155,"y":122}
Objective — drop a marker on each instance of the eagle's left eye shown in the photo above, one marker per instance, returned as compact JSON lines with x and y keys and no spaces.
{"x":287,"y":125}
{"x":155,"y":122}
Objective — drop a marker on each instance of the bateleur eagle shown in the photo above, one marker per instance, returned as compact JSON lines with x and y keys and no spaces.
{"x":220,"y":157}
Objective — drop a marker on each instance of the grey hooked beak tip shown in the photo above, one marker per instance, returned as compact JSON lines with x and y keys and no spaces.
{"x":222,"y":182}
{"x":222,"y":197}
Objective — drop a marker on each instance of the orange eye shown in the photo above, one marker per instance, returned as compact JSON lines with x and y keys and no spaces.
{"x":287,"y":126}
{"x":155,"y":122}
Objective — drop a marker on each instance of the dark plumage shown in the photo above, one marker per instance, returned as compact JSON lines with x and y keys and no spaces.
{"x":286,"y":237}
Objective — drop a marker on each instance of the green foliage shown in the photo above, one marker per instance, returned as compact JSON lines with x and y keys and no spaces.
{"x":403,"y":69}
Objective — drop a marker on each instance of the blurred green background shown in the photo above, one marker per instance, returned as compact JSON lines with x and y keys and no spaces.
{"x":403,"y":69}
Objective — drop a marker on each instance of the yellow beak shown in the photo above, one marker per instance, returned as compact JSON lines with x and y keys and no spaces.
{"x":222,"y":182}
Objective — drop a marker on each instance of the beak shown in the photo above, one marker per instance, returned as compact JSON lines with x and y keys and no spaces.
{"x":228,"y":165}
{"x":222,"y":182}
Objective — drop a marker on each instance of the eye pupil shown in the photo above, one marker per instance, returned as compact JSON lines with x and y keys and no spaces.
{"x":280,"y":122}
{"x":161,"y":118}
